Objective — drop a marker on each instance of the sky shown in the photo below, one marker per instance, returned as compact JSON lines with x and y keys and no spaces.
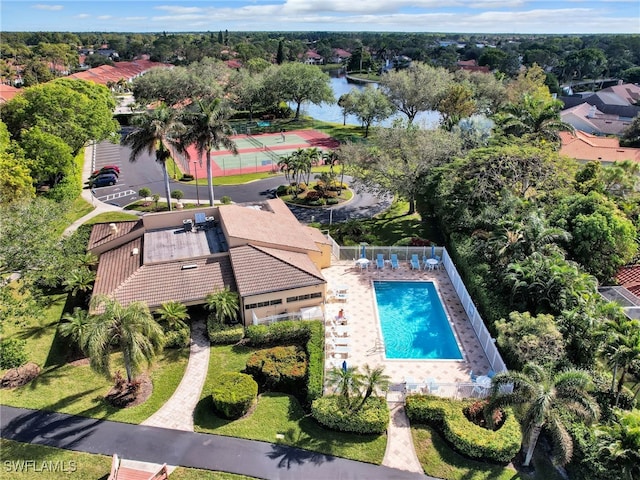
{"x":455,"y":16}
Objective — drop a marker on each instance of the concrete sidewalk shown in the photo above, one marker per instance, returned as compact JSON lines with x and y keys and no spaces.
{"x":187,"y":449}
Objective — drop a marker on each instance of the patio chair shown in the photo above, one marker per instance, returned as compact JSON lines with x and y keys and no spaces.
{"x":415,"y":262}
{"x":411,"y":386}
{"x":394,"y":261}
{"x":380,"y":261}
{"x":491,"y":374}
{"x":432,"y":384}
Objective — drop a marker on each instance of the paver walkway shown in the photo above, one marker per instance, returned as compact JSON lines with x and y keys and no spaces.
{"x":400,"y":452}
{"x":177,"y":412}
{"x":188,"y":449}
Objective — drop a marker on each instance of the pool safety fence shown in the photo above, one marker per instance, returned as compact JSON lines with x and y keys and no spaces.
{"x":404,"y":253}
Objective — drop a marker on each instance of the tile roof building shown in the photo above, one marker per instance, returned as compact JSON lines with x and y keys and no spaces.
{"x":105,"y":74}
{"x":590,"y":119}
{"x":585,"y":147}
{"x":259,"y":250}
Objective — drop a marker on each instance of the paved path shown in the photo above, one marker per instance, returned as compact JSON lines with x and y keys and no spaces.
{"x":187,"y":449}
{"x":177,"y":412}
{"x":400,"y":452}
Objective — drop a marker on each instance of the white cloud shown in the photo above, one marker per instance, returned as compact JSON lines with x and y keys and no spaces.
{"x":52,"y":8}
{"x":104,"y":17}
{"x":82,"y":15}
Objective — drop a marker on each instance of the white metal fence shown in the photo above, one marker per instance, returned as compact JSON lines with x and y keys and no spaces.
{"x":404,"y":255}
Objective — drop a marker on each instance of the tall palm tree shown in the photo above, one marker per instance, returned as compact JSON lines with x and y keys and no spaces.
{"x":621,"y":348}
{"x":534,"y":118}
{"x":131,"y":328}
{"x":348,"y":382}
{"x":544,"y":397}
{"x":224,"y":303}
{"x":620,"y":444}
{"x":174,"y":313}
{"x":156,"y":131}
{"x":208,"y":128}
{"x":373,"y":379}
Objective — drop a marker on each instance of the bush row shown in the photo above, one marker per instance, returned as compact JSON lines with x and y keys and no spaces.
{"x":330,"y":412}
{"x":281,"y":369}
{"x":223,"y":334}
{"x":471,"y":440}
{"x":233,"y":394}
{"x":315,"y":352}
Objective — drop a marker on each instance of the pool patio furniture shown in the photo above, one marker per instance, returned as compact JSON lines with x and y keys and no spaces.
{"x":341,"y":296}
{"x":431,"y":264}
{"x":411,"y":386}
{"x":415,"y":262}
{"x":380,"y":261}
{"x":394,"y":261}
{"x":432,"y":384}
{"x":341,"y":350}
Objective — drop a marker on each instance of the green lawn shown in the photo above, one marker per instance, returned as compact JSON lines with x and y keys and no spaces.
{"x":66,"y":388}
{"x":279,"y":415}
{"x":77,"y":465}
{"x":439,"y":460}
{"x":111,"y":217}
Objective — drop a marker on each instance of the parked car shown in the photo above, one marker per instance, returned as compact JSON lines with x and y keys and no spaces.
{"x":106,"y":170}
{"x":113,"y":167}
{"x":103,"y":180}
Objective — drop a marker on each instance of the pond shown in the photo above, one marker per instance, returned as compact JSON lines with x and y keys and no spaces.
{"x":333,"y":113}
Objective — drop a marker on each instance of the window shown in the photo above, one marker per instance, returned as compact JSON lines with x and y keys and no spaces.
{"x":299,"y":298}
{"x":250,"y":306}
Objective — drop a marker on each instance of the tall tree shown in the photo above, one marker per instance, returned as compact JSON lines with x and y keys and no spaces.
{"x":298,"y":83}
{"x":369,"y":105}
{"x":373,"y":379}
{"x":621,"y":348}
{"x":208,"y":128}
{"x":347,"y":381}
{"x":418,"y":88}
{"x":155,"y":132}
{"x":130,"y":328}
{"x":400,"y":160}
{"x":546,"y":398}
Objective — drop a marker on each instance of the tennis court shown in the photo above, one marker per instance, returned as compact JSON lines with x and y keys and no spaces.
{"x":256,"y":153}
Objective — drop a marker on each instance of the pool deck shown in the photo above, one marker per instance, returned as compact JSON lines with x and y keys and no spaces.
{"x":364,"y":331}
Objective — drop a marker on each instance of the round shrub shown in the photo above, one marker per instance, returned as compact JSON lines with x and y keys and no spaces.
{"x":233,"y":394}
{"x":225,"y":200}
{"x":332,"y":201}
{"x":12,"y":353}
{"x":281,"y":369}
{"x":330,"y":412}
{"x":177,"y":338}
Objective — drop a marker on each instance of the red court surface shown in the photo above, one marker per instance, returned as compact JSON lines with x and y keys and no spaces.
{"x":259,"y":153}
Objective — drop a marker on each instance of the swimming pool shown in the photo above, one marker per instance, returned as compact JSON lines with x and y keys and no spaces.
{"x":413,"y":322}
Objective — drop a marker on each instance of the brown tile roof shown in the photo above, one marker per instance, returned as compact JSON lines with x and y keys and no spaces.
{"x":159,"y":283}
{"x":116,"y":266}
{"x":606,"y":124}
{"x":7,"y":92}
{"x":112,"y":73}
{"x":583,"y":146}
{"x":629,"y":276}
{"x":627,"y":91}
{"x":275,"y":227}
{"x":101,"y":232}
{"x":262,"y":270}
{"x":316,"y":235}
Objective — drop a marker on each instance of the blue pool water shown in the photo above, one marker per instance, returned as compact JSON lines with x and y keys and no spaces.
{"x":413,"y":322}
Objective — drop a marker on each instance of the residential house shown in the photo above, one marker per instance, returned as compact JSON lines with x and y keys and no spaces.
{"x":620,"y":100}
{"x":590,"y":119}
{"x":585,"y":147}
{"x":472,"y":66}
{"x":311,"y":57}
{"x":259,"y":250}
{"x":111,"y":74}
{"x":340,"y":56}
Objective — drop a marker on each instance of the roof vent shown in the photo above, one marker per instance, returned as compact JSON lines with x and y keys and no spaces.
{"x":188,"y":267}
{"x":592,"y":111}
{"x":113,"y":227}
{"x":135,"y":251}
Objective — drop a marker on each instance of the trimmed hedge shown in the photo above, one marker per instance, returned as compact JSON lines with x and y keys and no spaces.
{"x":281,"y":369}
{"x":468,"y":438}
{"x":373,"y":417}
{"x":179,"y":338}
{"x":309,"y":334}
{"x":223,"y":334}
{"x":233,"y":394}
{"x":289,"y":332}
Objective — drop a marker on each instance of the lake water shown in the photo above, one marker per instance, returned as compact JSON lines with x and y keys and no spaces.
{"x":333,"y":113}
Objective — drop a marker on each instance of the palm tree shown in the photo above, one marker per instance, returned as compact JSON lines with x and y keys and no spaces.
{"x":620,"y":443}
{"x":224,"y":303}
{"x":535,"y":118}
{"x":174,"y":313}
{"x":156,"y":131}
{"x":131,"y":328}
{"x":374,"y":379}
{"x":621,"y":348}
{"x":74,"y":326}
{"x":79,"y":280}
{"x":208,"y":128}
{"x":544,"y":397}
{"x":348,"y":382}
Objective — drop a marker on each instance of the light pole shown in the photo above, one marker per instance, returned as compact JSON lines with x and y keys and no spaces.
{"x":195,"y":170}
